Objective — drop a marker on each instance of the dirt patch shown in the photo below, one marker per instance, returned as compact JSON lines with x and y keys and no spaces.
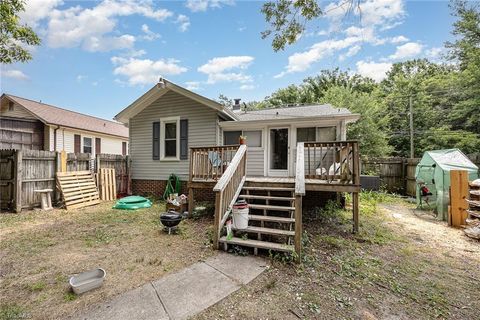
{"x":41,"y":250}
{"x":403,"y":265}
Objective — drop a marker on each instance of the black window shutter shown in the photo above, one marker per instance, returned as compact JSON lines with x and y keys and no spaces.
{"x":156,"y":141}
{"x":184,"y":139}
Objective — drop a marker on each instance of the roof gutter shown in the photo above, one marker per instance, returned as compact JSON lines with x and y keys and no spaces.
{"x":235,"y":124}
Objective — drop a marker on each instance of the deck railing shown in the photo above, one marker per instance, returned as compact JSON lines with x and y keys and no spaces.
{"x":336,"y":161}
{"x":210,"y":163}
{"x":228,"y":189}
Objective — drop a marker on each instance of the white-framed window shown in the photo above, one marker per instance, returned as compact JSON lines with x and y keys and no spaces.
{"x":254,"y":137}
{"x":316,"y":134}
{"x":170,"y":138}
{"x":87,"y":145}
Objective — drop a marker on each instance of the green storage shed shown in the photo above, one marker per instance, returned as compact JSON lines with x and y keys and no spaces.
{"x":434,"y":171}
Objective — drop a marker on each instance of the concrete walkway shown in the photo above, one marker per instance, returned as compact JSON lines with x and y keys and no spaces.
{"x":182,"y":294}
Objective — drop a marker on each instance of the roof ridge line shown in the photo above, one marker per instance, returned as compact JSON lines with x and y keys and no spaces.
{"x":61,"y":108}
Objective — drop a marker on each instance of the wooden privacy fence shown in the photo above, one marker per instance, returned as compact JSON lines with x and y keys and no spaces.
{"x":398,"y":174}
{"x":23,"y":171}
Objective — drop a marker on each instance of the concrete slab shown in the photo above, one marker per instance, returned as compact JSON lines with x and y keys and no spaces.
{"x":140,"y":304}
{"x":239,"y":268}
{"x":193,"y":289}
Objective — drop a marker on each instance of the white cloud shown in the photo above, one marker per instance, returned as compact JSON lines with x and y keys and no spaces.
{"x":193,"y":85}
{"x":247,"y":87}
{"x":37,"y":10}
{"x":227,"y":69}
{"x":149,"y":34}
{"x":351,"y":52}
{"x":90,"y":28}
{"x":183,"y":21}
{"x":203,"y":5}
{"x":407,"y":50}
{"x":375,"y":70}
{"x":371,"y":12}
{"x":81,"y":77}
{"x":15,"y":74}
{"x":434,"y":53}
{"x":145,"y":71}
{"x":241,"y":29}
{"x":398,"y":39}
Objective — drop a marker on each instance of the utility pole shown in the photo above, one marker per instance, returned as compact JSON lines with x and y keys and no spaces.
{"x":410,"y":105}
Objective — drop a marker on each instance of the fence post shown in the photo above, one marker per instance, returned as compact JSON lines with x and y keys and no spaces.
{"x":129,"y":174}
{"x":97,"y":169}
{"x":18,"y":180}
{"x":63,"y":161}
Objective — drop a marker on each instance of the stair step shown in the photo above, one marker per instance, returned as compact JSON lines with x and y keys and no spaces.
{"x":250,"y":196}
{"x":270,"y":218}
{"x":257,"y":244}
{"x":269,"y":188}
{"x":269,"y":207}
{"x":278,"y":232}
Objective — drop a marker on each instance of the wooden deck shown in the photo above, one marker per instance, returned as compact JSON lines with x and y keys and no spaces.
{"x":310,"y":184}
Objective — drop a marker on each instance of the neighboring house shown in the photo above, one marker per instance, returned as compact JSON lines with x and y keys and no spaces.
{"x":28,"y":124}
{"x":168,"y":120}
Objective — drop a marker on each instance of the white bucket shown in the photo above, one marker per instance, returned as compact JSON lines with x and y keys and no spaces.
{"x":240,"y":218}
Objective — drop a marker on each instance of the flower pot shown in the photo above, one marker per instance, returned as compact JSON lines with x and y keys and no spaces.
{"x":243,"y":141}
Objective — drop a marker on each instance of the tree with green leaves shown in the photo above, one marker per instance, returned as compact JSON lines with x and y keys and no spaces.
{"x":14,"y":36}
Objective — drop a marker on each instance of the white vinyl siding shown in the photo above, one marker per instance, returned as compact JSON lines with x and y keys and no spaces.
{"x":202,"y":131}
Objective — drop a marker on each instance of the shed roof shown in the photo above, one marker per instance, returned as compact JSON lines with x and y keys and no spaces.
{"x":452,"y":159}
{"x":62,"y":117}
{"x":293,"y":112}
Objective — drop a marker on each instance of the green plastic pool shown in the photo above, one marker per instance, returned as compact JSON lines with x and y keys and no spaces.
{"x":132,"y":203}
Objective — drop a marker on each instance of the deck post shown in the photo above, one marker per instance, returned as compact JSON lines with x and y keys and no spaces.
{"x":355,"y":211}
{"x":191,"y":203}
{"x":218,"y":216}
{"x":298,"y":226}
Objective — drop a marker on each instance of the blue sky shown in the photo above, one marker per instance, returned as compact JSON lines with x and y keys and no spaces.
{"x":99,"y":56}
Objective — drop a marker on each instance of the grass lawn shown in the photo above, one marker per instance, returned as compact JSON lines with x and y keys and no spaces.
{"x":39,"y":251}
{"x":402,"y":265}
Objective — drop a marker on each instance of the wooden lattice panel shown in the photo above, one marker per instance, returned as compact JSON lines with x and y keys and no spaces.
{"x":107,"y":184}
{"x":78,"y":189}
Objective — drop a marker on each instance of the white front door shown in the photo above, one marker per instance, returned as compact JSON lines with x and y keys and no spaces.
{"x":278,"y":152}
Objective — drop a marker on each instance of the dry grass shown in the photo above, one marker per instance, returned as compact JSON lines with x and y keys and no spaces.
{"x":39,"y":251}
{"x":401,"y":266}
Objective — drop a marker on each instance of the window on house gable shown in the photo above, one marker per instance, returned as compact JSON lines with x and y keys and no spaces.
{"x":170,"y":138}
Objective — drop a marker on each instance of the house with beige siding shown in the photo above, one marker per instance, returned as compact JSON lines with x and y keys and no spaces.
{"x":28,"y":124}
{"x":291,"y":153}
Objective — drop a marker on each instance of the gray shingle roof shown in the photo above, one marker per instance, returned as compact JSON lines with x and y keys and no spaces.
{"x":63,"y":117}
{"x":303,"y":111}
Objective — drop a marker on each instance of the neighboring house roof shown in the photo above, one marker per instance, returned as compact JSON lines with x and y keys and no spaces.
{"x":52,"y":115}
{"x":293,"y":112}
{"x":159,"y":90}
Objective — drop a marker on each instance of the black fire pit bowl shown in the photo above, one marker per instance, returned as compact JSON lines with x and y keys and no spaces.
{"x":170,"y":219}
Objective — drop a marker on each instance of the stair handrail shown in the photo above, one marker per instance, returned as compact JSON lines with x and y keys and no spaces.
{"x":300,"y":170}
{"x":299,"y":193}
{"x":228,"y":189}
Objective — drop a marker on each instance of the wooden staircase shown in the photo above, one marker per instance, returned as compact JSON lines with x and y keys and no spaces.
{"x":271,"y":218}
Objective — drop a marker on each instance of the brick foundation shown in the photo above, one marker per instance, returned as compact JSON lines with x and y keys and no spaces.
{"x":156,"y":188}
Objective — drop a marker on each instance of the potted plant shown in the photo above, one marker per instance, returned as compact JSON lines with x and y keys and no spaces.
{"x":243,"y":139}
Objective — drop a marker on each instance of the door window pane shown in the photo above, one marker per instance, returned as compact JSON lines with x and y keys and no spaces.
{"x":87,"y":145}
{"x":231,"y":137}
{"x":279,"y":149}
{"x":306,"y":134}
{"x":254,"y":138}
